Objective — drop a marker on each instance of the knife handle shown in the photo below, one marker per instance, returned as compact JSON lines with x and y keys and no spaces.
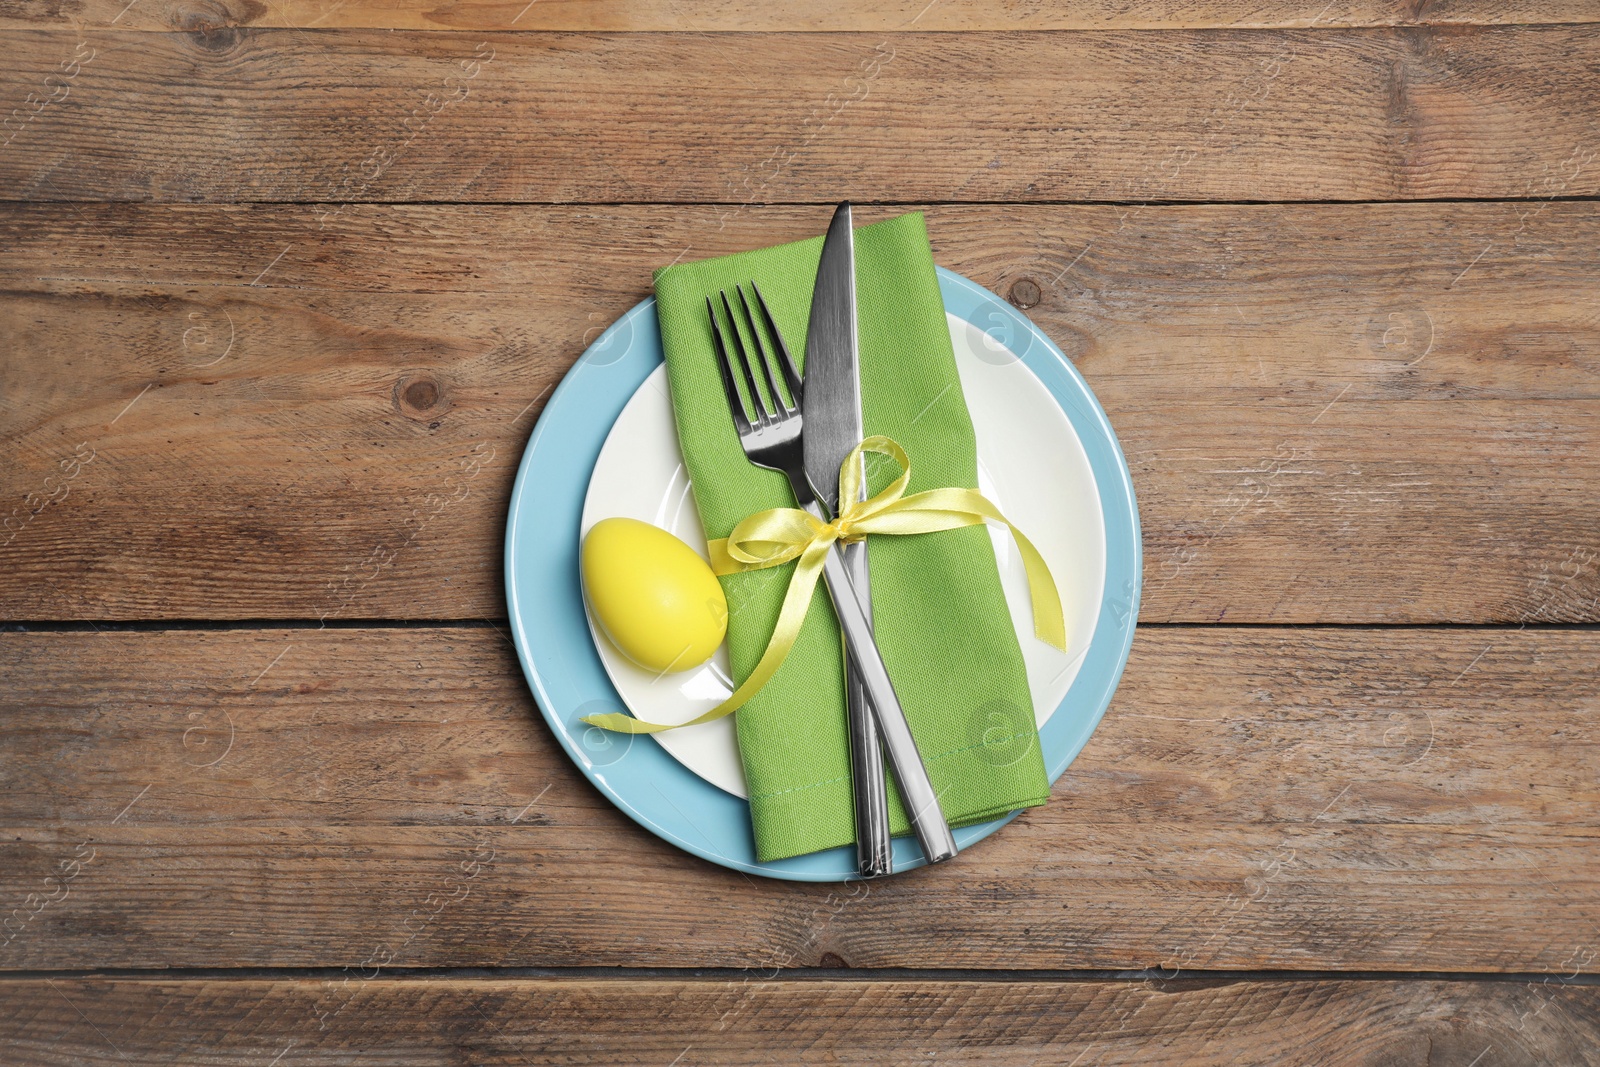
{"x":870,"y":788}
{"x":922,"y":803}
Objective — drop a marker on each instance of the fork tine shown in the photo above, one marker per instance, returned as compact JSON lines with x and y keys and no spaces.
{"x":790,"y":375}
{"x":765,"y":360}
{"x":744,"y":362}
{"x":741,"y":421}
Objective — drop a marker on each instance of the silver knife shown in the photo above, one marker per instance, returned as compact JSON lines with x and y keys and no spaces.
{"x":832,"y":350}
{"x":831,"y":407}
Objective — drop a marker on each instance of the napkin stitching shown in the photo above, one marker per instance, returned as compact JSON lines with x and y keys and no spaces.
{"x":983,"y":744}
{"x":930,"y":759}
{"x":799,"y":788}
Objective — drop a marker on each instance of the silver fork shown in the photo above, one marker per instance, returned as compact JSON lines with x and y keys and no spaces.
{"x":769,"y":430}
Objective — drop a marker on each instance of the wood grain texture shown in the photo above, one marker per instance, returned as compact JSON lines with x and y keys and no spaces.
{"x":1333,"y":413}
{"x":1293,"y":798}
{"x":361,"y":115}
{"x":289,"y":374}
{"x":439,"y":1021}
{"x":747,"y":15}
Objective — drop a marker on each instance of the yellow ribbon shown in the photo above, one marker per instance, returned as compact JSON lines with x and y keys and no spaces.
{"x":776,"y":536}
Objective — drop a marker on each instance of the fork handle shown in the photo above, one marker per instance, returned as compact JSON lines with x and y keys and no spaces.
{"x":922,"y":803}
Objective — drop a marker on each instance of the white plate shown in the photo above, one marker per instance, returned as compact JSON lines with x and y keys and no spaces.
{"x":1030,"y":463}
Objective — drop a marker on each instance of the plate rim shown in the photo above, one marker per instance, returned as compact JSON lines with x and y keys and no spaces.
{"x":965,"y":299}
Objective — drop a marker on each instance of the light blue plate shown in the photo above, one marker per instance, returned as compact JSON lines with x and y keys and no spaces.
{"x":552,"y":636}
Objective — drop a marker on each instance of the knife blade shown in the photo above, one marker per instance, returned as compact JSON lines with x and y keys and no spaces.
{"x":832,"y":399}
{"x":831,"y":407}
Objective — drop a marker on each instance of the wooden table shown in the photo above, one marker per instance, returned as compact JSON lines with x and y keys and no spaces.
{"x":286,"y":284}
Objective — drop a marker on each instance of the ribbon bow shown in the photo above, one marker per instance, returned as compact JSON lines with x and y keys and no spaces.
{"x":776,"y":536}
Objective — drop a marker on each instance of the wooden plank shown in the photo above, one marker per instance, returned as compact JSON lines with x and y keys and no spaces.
{"x":658,"y":16}
{"x":1256,"y":798}
{"x":754,"y":1018}
{"x":365,"y":115}
{"x":1333,"y":413}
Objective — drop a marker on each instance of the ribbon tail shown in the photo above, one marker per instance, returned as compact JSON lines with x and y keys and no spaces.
{"x":1049,"y":625}
{"x":791,"y":616}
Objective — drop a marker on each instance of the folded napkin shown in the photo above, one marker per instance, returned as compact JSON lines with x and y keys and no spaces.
{"x":939,"y":614}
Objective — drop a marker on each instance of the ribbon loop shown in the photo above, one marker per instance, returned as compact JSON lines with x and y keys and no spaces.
{"x":779,"y":535}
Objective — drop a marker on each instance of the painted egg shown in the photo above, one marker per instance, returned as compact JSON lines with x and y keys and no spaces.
{"x":652,"y":596}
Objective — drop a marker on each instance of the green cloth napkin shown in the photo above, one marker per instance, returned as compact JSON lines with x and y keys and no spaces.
{"x":939,"y":614}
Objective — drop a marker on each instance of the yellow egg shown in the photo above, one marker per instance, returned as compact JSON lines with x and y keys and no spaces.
{"x":652,"y":596}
